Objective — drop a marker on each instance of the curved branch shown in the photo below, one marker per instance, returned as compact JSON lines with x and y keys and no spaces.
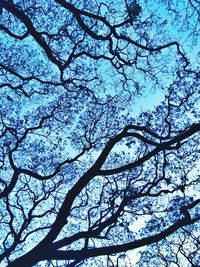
{"x":31,"y":30}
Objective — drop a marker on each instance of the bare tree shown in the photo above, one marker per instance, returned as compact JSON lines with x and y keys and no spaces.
{"x":83,"y":179}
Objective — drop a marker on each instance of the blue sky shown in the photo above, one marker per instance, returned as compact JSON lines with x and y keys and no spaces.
{"x":79,"y":120}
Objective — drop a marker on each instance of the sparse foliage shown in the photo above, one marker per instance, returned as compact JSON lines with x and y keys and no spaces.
{"x":85,"y":180}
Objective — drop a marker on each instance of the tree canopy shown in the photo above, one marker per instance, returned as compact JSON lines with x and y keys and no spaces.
{"x":88,"y":175}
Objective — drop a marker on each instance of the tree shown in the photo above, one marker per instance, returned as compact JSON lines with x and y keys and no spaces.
{"x":80,"y":172}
